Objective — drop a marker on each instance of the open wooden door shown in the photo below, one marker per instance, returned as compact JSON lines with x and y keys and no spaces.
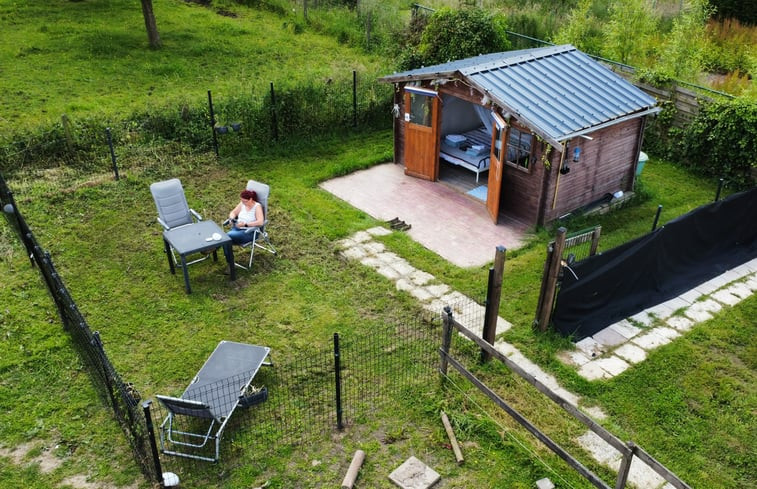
{"x":496,"y":159}
{"x":421,"y":133}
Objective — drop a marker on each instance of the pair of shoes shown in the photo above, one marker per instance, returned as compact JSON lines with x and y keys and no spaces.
{"x":394,"y":221}
{"x":403,"y":227}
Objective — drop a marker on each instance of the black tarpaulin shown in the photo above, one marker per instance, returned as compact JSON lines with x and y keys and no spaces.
{"x":657,"y":267}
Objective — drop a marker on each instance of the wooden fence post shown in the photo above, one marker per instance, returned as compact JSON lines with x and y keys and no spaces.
{"x":625,"y":466}
{"x":493,"y":295}
{"x":446,"y":339}
{"x":549,"y":280}
{"x":595,"y":240}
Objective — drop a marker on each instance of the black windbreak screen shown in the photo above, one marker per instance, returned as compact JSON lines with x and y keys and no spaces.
{"x":657,"y":267}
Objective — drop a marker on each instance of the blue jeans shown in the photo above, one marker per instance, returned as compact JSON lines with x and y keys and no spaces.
{"x":240,"y":236}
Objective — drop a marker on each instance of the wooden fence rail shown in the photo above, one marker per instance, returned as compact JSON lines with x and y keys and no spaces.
{"x":627,"y":450}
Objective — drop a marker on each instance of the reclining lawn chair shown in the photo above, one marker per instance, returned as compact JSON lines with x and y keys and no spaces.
{"x":201,"y":413}
{"x":259,"y":234}
{"x":173,"y":210}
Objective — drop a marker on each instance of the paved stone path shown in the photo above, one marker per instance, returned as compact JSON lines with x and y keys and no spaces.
{"x":604,"y":355}
{"x":614,"y":349}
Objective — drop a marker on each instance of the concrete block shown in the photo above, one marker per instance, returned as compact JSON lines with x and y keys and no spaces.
{"x":374,"y":246}
{"x":389,"y":273}
{"x":660,"y":311}
{"x":631,"y":353}
{"x":404,"y":285}
{"x":361,"y":237}
{"x":677,"y":303}
{"x":414,"y":474}
{"x":388,"y":257}
{"x":378,"y":231}
{"x":669,"y":333}
{"x":576,"y":358}
{"x":371,"y":261}
{"x":590,"y":347}
{"x":354,"y":252}
{"x":403,"y":268}
{"x":651,"y":340}
{"x":608,"y":337}
{"x":419,"y":293}
{"x":438,"y":290}
{"x":724,"y":296}
{"x":691,"y":296}
{"x":420,"y":277}
{"x":613,"y":365}
{"x":680,"y":323}
{"x":592,"y":371}
{"x":626,"y":329}
{"x":544,"y":483}
{"x":642,"y":318}
{"x":740,"y":290}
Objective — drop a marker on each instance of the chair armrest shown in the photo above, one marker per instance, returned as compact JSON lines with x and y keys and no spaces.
{"x":165,"y":226}
{"x":196,"y":214}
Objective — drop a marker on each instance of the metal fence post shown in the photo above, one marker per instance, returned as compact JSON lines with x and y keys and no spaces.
{"x":153,"y":444}
{"x":213,"y":123}
{"x":354,"y":98}
{"x":275,"y":122}
{"x":338,"y":382}
{"x":720,"y":187}
{"x":657,"y":217}
{"x":446,"y":339}
{"x":112,"y":152}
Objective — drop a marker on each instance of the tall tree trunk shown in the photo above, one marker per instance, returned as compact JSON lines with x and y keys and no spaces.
{"x":152,"y":27}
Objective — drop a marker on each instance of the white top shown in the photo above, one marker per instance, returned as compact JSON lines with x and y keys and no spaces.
{"x":246,"y":215}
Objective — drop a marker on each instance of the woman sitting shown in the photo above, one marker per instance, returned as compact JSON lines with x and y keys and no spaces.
{"x":247,"y":214}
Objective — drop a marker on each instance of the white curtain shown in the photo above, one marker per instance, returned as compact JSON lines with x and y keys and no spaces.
{"x":485,"y":115}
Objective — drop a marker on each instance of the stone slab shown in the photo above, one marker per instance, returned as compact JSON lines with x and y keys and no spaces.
{"x":378,"y":231}
{"x":680,"y":323}
{"x":643,"y":318}
{"x":590,"y":347}
{"x":740,"y":290}
{"x":592,"y":371}
{"x":626,"y":329}
{"x":609,"y":337}
{"x":613,"y":365}
{"x":724,"y":296}
{"x":544,"y":483}
{"x":631,"y":353}
{"x":414,"y":474}
{"x":651,"y":340}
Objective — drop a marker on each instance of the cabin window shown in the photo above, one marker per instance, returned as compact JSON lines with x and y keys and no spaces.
{"x":420,"y":109}
{"x":519,"y":145}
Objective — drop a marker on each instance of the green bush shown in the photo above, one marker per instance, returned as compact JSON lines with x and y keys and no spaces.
{"x":720,"y":142}
{"x":458,"y":34}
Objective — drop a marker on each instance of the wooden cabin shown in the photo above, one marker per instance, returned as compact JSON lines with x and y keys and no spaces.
{"x":547,"y":131}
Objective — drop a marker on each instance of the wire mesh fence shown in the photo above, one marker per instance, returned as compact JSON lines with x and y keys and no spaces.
{"x":302,"y":400}
{"x":276,"y":114}
{"x":295,"y":401}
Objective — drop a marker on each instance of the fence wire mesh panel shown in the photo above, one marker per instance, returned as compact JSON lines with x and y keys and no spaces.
{"x":391,"y":362}
{"x":395,"y":361}
{"x":122,"y":398}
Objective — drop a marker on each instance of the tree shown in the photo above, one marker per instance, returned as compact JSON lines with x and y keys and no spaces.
{"x":458,"y":34}
{"x":152,"y":27}
{"x":631,"y":25}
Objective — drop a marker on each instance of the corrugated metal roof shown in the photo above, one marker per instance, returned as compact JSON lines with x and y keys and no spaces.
{"x":559,"y":91}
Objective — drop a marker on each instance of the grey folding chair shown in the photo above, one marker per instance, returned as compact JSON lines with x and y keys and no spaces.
{"x":173,"y":210}
{"x":260,"y":237}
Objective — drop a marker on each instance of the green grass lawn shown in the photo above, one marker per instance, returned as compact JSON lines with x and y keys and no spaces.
{"x":106,"y":244}
{"x":690,"y":404}
{"x":85,"y":58}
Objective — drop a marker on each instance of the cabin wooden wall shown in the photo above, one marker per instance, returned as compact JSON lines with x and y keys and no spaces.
{"x":607,"y":164}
